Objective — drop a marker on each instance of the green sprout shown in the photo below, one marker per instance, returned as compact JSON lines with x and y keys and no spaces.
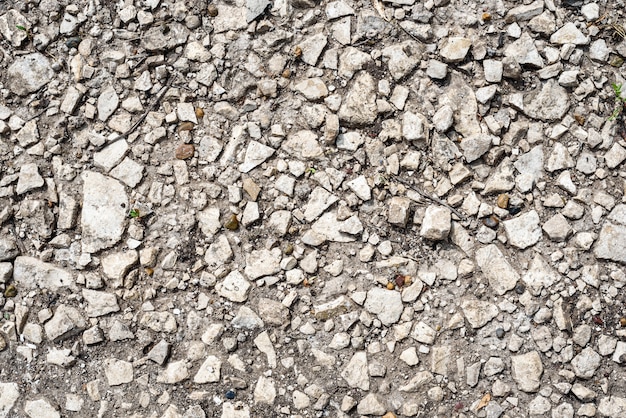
{"x":311,"y":170}
{"x":134,"y":213}
{"x":620,"y":102}
{"x":28,"y":34}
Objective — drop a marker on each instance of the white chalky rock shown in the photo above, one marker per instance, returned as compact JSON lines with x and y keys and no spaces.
{"x":478,"y":313}
{"x":29,"y":179}
{"x":118,"y":372}
{"x":234,"y":287}
{"x":105,"y":207}
{"x":387,"y":304}
{"x":437,"y":223}
{"x":107,"y":103}
{"x":9,"y":394}
{"x":524,"y":231}
{"x":356,"y":371}
{"x":611,"y":243}
{"x":29,"y":273}
{"x":209,"y":371}
{"x":256,"y":154}
{"x":40,"y":408}
{"x":501,"y":275}
{"x":526,"y":370}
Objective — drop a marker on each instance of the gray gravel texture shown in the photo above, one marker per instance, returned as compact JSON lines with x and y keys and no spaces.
{"x":312,"y":209}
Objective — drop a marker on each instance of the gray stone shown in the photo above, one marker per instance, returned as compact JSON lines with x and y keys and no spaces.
{"x":351,"y":61}
{"x":9,"y":394}
{"x":386,"y":304}
{"x":312,"y":48}
{"x":312,"y":88}
{"x":29,"y":134}
{"x":118,"y":372}
{"x":40,"y":408}
{"x":355,"y":373}
{"x":247,"y":318}
{"x":219,"y":253}
{"x":169,"y":35}
{"x":361,"y":188}
{"x":303,"y":145}
{"x":398,"y":212}
{"x":371,"y":404}
{"x":526,"y":370}
{"x":454,"y":49}
{"x":413,"y":126}
{"x":402,"y":58}
{"x":129,"y":172}
{"x":111,"y":155}
{"x":265,"y":390}
{"x":116,"y":265}
{"x":99,"y":303}
{"x":319,"y":200}
{"x":9,"y":23}
{"x":436,"y":223}
{"x":65,"y":323}
{"x":478,"y":313}
{"x":72,"y":97}
{"x":539,"y":275}
{"x":501,"y":275}
{"x":443,"y":118}
{"x":524,"y":52}
{"x":557,"y":228}
{"x":423,"y":333}
{"x":29,"y":179}
{"x":475,"y":146}
{"x":586,"y":363}
{"x":175,"y":372}
{"x":437,"y":69}
{"x":234,"y":287}
{"x":359,"y":105}
{"x":105,"y":207}
{"x":493,"y":71}
{"x":160,"y":352}
{"x":29,"y":73}
{"x":107,"y":103}
{"x":548,"y":103}
{"x":615,"y":156}
{"x":524,"y":12}
{"x":612,"y":407}
{"x":255,"y":8}
{"x":159,"y":321}
{"x":29,"y":273}
{"x":569,"y":34}
{"x":8,"y":248}
{"x":559,"y":158}
{"x":256,"y":154}
{"x":523,"y":231}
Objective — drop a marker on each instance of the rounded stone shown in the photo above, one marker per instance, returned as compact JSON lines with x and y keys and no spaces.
{"x":185,"y":151}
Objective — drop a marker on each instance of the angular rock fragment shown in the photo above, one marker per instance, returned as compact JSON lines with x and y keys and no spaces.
{"x":29,"y":73}
{"x":99,"y":303}
{"x":501,"y":275}
{"x":256,"y":154}
{"x":209,"y":371}
{"x":359,"y":105}
{"x":118,"y":372}
{"x":569,"y":34}
{"x":9,"y":394}
{"x":356,"y":373}
{"x":105,"y":206}
{"x":526,"y":370}
{"x":436,"y":223}
{"x":611,"y":243}
{"x":234,"y":287}
{"x":454,"y":49}
{"x":29,"y":273}
{"x":386,"y":304}
{"x":66,"y":322}
{"x":524,"y":231}
{"x":478,"y":313}
{"x":548,"y":103}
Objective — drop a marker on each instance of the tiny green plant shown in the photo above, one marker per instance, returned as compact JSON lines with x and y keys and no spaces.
{"x":311,"y":170}
{"x":134,"y":213}
{"x":620,"y":101}
{"x":25,"y":29}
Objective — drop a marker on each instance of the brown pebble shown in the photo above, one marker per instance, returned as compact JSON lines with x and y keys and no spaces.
{"x":232,"y":223}
{"x":400,"y":280}
{"x":391,"y":286}
{"x":185,"y":126}
{"x":288,"y":249}
{"x":250,"y":187}
{"x":149,"y":271}
{"x":212,"y":9}
{"x":184,"y":151}
{"x":622,"y":322}
{"x":199,"y":112}
{"x":491,"y":222}
{"x":286,"y":73}
{"x":486,"y":17}
{"x":503,"y":201}
{"x":297,"y":51}
{"x":11,"y":291}
{"x":389,"y":415}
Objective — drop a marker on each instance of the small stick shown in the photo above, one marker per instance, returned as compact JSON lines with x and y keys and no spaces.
{"x":431,"y":198}
{"x":142,"y":118}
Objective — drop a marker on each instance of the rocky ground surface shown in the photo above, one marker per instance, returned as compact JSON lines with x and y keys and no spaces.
{"x":352,"y":208}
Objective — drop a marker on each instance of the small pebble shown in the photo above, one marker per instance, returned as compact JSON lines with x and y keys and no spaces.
{"x":520,"y":288}
{"x":11,"y":291}
{"x":622,"y":322}
{"x":400,"y":280}
{"x":184,"y":151}
{"x":199,"y":112}
{"x":230,"y":394}
{"x":491,"y":222}
{"x":288,"y":249}
{"x":3,"y":343}
{"x":212,"y":10}
{"x":391,"y":286}
{"x":185,"y":126}
{"x":500,"y":333}
{"x":232,"y":223}
{"x":503,"y":200}
{"x":514,"y":210}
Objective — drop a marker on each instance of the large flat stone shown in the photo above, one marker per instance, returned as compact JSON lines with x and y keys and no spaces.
{"x":29,"y":273}
{"x":611,"y":244}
